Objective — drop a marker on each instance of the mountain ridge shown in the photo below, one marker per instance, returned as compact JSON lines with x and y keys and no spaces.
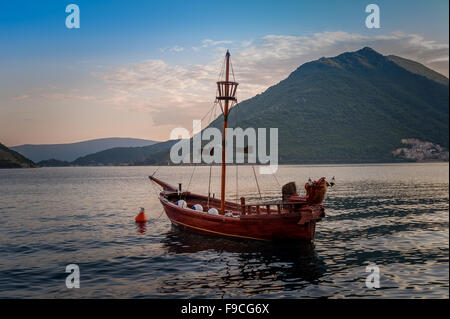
{"x":71,"y":151}
{"x":11,"y":159}
{"x":416,"y":67}
{"x":125,"y":155}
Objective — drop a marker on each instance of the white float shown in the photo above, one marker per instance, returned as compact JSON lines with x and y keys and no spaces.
{"x":213,"y":211}
{"x":198,"y":208}
{"x":181,"y":203}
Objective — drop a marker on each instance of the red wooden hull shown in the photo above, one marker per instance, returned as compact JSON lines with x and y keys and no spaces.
{"x":266,"y":224}
{"x":260,"y":227}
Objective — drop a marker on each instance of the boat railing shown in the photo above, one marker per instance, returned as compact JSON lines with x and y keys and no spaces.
{"x":267,"y":208}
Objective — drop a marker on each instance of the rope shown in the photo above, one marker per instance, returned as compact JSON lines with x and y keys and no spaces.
{"x":190,"y":179}
{"x":275,"y":176}
{"x":212,"y":115}
{"x":157,"y":196}
{"x":237,"y":185}
{"x":232,"y":71}
{"x":155,"y":219}
{"x":209,"y":184}
{"x":155,"y":189}
{"x":204,"y":116}
{"x":237,"y":166}
{"x":156,"y":171}
{"x":222,"y":68}
{"x":254,"y":173}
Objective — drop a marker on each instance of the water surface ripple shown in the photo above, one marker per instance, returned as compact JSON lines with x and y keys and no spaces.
{"x":395,"y":216}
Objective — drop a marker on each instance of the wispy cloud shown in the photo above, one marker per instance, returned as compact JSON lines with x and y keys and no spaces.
{"x":207,"y":43}
{"x":177,"y":49}
{"x":21,"y":97}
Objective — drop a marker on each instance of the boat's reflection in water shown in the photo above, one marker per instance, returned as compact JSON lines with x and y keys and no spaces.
{"x":250,"y":267}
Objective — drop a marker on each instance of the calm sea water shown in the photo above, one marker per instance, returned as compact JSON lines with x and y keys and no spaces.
{"x":395,"y":216}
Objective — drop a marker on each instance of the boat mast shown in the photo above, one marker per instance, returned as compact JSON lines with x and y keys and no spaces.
{"x":227,"y":93}
{"x":225,"y":125}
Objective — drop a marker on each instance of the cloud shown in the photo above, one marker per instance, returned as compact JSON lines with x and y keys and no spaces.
{"x":115,"y":97}
{"x":441,"y":59}
{"x":64,"y":96}
{"x":273,"y":57}
{"x":175,"y":94}
{"x":177,"y":49}
{"x":21,"y":97}
{"x":207,"y":43}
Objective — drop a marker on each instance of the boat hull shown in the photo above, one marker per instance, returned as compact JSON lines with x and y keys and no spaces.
{"x":268,"y":227}
{"x":291,"y":220}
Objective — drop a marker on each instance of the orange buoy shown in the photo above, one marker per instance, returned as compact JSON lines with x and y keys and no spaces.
{"x":140,"y":218}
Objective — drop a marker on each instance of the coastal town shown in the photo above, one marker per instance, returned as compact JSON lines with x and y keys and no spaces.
{"x":418,"y":150}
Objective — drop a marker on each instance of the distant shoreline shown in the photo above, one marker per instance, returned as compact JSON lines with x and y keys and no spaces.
{"x":232,"y":165}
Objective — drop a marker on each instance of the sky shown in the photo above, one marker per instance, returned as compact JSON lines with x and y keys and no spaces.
{"x":140,"y":68}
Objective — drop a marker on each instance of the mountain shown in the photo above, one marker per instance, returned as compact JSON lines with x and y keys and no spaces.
{"x":12,"y":159}
{"x":357,"y":107}
{"x":71,"y":151}
{"x":146,"y":155}
{"x":353,"y":108}
{"x":53,"y":163}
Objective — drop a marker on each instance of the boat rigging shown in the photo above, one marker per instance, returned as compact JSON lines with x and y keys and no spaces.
{"x":293,"y":218}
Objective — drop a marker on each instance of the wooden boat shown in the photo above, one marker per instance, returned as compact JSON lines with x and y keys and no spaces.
{"x":293,"y":218}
